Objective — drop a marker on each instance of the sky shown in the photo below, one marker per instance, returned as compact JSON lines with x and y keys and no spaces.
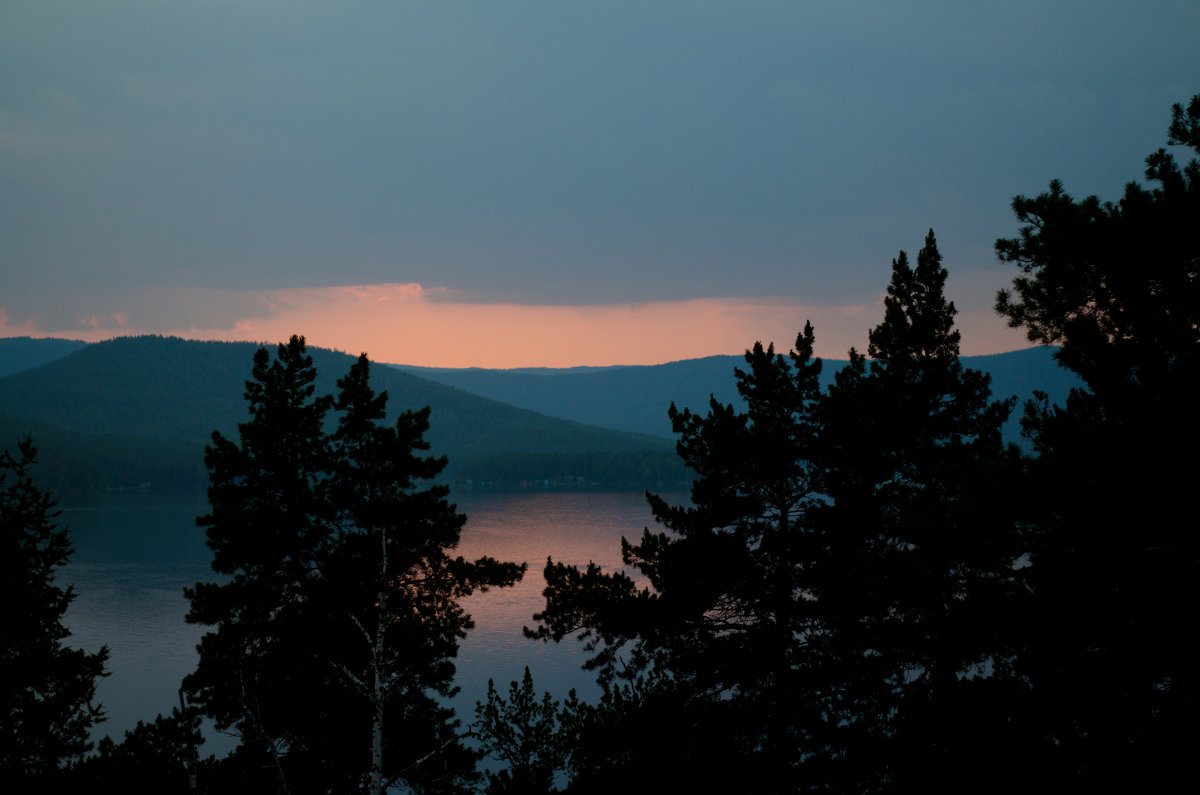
{"x":511,"y":184}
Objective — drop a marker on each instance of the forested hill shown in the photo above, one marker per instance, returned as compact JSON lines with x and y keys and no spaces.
{"x":635,"y":398}
{"x":137,"y":391}
{"x":140,"y":409}
{"x":25,"y":353}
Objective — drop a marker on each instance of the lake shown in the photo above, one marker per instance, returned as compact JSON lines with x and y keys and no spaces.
{"x":136,"y":552}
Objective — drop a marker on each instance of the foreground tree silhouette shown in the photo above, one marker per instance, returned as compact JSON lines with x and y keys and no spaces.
{"x":266,"y":529}
{"x":827,"y":611}
{"x":1115,"y":554}
{"x":46,"y":689}
{"x":919,"y":536}
{"x":155,"y":758}
{"x":335,"y":628}
{"x":391,"y":589}
{"x":533,"y":737}
{"x":712,"y":640}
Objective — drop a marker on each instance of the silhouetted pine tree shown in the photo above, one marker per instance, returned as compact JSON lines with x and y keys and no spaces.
{"x":391,"y":591}
{"x":46,"y":688}
{"x":533,"y":737}
{"x":830,"y":612}
{"x":335,"y":626}
{"x":268,"y":522}
{"x":716,"y":646}
{"x":156,"y":758}
{"x":1114,"y":553}
{"x":919,"y":543}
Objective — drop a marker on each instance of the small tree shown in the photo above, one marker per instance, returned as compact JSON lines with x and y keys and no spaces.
{"x":531,"y":736}
{"x":156,"y":758}
{"x":47,"y":690}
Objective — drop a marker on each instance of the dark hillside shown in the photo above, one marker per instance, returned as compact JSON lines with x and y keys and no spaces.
{"x":70,"y":461}
{"x":179,"y":391}
{"x":635,"y":398}
{"x":143,"y":386}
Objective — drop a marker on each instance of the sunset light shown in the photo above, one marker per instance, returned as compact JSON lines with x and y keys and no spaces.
{"x":408,"y":324}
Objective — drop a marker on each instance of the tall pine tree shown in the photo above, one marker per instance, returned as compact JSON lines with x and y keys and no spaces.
{"x":833,"y":604}
{"x":335,"y":626}
{"x":267,"y":524}
{"x":391,"y":594}
{"x":919,"y":547}
{"x":716,"y":643}
{"x":1114,"y":550}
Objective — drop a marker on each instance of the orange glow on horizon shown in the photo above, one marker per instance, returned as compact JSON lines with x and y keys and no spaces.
{"x":409,"y":324}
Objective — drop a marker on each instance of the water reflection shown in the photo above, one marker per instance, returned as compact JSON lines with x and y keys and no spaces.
{"x":571,"y":528}
{"x":136,"y":552}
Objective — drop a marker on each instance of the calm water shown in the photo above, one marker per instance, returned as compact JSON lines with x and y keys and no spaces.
{"x":136,"y":552}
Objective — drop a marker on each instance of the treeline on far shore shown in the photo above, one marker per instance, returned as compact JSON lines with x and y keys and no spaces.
{"x":74,"y":463}
{"x":614,"y":471}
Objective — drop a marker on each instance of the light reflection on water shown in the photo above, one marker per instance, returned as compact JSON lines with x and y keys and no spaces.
{"x":136,"y":552}
{"x":570,"y":528}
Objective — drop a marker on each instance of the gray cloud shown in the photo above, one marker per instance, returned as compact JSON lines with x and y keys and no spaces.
{"x":566,"y":153}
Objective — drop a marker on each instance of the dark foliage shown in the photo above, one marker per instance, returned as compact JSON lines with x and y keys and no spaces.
{"x":1114,"y":553}
{"x":46,"y":689}
{"x":108,"y":420}
{"x":532,"y":737}
{"x":71,"y":462}
{"x":338,"y":616}
{"x":157,"y":758}
{"x":833,"y":595}
{"x":919,"y":541}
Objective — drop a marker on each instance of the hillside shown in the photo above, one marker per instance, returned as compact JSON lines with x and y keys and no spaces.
{"x":169,"y":392}
{"x":25,"y":353}
{"x":636,"y":398}
{"x":139,"y":410}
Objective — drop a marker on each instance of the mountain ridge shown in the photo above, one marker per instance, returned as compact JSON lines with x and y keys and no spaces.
{"x":175,"y":392}
{"x":141,"y":409}
{"x":635,"y":397}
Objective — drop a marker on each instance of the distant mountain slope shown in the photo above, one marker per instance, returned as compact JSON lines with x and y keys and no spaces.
{"x":177,"y":392}
{"x":140,"y":409}
{"x":1019,"y":373}
{"x":74,"y":461}
{"x":636,"y":398}
{"x":633,"y":398}
{"x":25,"y":353}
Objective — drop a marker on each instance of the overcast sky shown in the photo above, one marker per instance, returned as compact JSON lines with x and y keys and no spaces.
{"x":518,"y":183}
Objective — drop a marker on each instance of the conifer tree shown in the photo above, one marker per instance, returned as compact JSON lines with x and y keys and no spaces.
{"x":155,"y":758}
{"x":831,"y":606}
{"x":531,"y":736}
{"x":391,"y":591}
{"x":267,"y":524}
{"x":47,"y":689}
{"x":919,"y":543}
{"x":718,"y":637}
{"x":334,"y":630}
{"x":1114,"y":551}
